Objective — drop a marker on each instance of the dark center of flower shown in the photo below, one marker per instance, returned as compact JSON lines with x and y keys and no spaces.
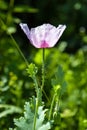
{"x":44,"y":44}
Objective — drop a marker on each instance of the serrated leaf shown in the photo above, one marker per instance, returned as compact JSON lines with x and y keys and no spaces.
{"x":40,"y":120}
{"x":45,"y":127}
{"x":27,"y":121}
{"x":41,"y":114}
{"x":28,"y":112}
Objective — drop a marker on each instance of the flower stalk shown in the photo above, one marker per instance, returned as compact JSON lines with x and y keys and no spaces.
{"x":37,"y":99}
{"x":43,"y":68}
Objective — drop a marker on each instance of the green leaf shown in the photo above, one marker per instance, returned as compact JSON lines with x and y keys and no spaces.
{"x":40,"y":120}
{"x":26,"y":122}
{"x":59,"y":82}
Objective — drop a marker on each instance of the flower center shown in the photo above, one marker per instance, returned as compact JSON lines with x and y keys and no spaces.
{"x":44,"y":44}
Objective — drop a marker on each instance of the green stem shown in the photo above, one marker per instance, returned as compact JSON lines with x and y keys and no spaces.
{"x":37,"y":99}
{"x":36,"y":86}
{"x":35,"y":116}
{"x":19,"y":49}
{"x":43,"y":73}
{"x":43,"y":68}
{"x":51,"y":108}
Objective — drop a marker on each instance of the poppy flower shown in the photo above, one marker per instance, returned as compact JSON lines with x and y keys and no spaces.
{"x":44,"y":36}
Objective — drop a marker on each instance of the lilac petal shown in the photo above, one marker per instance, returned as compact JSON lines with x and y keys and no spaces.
{"x":43,"y":36}
{"x":25,"y":28}
{"x":33,"y":38}
{"x":60,"y":30}
{"x":50,"y":36}
{"x":55,"y":34}
{"x":39,"y":34}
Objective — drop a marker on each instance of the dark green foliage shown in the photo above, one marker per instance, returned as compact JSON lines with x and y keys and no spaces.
{"x":59,"y":80}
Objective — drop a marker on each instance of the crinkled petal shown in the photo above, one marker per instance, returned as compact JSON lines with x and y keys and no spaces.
{"x":55,"y":34}
{"x":25,"y":28}
{"x":33,"y":38}
{"x":39,"y":35}
{"x":60,"y":30}
{"x":43,"y":36}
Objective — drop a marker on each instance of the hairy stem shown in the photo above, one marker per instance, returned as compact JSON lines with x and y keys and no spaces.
{"x":43,"y":73}
{"x":43,"y":68}
{"x":37,"y":99}
{"x":35,"y":116}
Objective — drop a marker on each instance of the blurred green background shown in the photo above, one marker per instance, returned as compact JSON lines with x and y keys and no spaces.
{"x":71,"y":53}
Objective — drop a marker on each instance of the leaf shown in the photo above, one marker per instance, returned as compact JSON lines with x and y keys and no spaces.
{"x":59,"y":82}
{"x":45,"y":127}
{"x":40,"y":120}
{"x":26,"y":122}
